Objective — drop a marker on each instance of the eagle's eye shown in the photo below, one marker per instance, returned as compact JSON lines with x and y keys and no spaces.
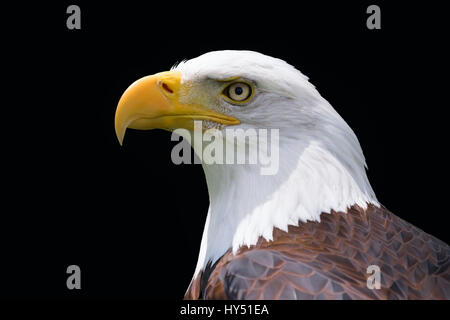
{"x":238,"y":92}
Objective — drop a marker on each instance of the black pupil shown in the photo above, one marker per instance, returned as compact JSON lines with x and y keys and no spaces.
{"x":238,"y":90}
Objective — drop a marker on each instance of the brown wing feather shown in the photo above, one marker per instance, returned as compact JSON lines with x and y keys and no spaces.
{"x":329,"y":260}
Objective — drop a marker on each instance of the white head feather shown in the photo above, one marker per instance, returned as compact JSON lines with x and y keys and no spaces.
{"x":321,"y":166}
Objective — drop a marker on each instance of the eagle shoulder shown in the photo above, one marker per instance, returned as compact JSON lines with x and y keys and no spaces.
{"x":329,"y":260}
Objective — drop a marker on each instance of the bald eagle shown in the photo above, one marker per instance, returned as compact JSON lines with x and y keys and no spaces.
{"x":313,"y":229}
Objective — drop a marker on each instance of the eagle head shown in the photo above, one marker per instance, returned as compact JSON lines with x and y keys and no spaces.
{"x":321,"y":164}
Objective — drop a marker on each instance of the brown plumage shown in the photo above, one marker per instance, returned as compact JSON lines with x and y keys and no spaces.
{"x":329,"y":260}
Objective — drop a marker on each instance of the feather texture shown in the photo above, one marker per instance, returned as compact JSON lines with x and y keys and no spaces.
{"x":329,"y":260}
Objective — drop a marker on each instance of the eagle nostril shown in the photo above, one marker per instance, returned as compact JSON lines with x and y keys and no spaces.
{"x":166,"y":87}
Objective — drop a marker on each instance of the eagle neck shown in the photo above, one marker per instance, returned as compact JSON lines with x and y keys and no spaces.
{"x":244,"y":205}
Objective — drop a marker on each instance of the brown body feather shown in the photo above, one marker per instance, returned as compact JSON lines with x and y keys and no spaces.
{"x":329,"y":260}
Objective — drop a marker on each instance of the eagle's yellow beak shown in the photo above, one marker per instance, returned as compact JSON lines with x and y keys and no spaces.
{"x":153,"y":102}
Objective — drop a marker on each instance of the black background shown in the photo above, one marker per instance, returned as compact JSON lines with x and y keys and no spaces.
{"x":129,"y":217}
